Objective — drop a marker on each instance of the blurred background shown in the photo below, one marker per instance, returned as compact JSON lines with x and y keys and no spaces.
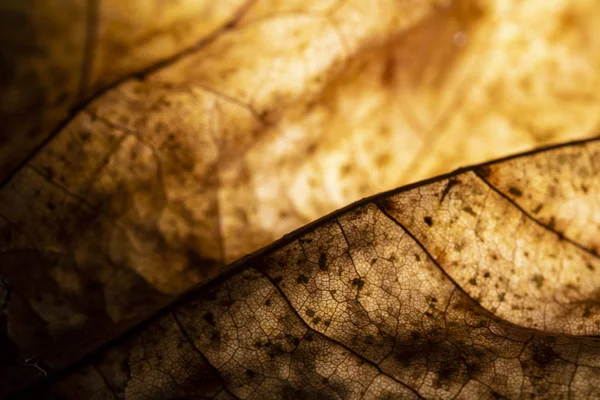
{"x":145,"y":144}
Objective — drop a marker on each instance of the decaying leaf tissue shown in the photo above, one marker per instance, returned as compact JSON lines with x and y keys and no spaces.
{"x":170,"y":174}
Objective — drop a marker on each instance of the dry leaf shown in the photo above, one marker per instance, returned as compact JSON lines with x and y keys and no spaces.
{"x":448,"y":289}
{"x":282,"y":112}
{"x":57,"y":53}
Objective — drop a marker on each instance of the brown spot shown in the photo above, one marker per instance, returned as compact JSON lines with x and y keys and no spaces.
{"x":388,"y":75}
{"x":473,"y":281}
{"x":310,"y":312}
{"x":515,"y":191}
{"x":538,"y":280}
{"x":210,"y":318}
{"x":383,"y":159}
{"x":538,"y":208}
{"x":345,"y":169}
{"x":323,"y":262}
{"x":543,"y":356}
{"x":428,"y":220}
{"x":84,"y":136}
{"x":302,"y":279}
{"x":470,"y":211}
{"x":358,"y":282}
{"x":584,"y":188}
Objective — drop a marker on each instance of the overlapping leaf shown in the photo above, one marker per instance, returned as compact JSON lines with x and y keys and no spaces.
{"x":447,"y":289}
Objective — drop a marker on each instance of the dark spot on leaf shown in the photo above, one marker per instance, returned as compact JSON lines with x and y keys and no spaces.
{"x":345,"y":169}
{"x":473,"y":281}
{"x":543,"y":355}
{"x":584,"y":188}
{"x":358,"y":282}
{"x":268,"y":302}
{"x":428,"y":220}
{"x":277,"y":280}
{"x":292,"y":339}
{"x":250,"y":373}
{"x":84,"y":136}
{"x":590,"y":267}
{"x":538,"y":208}
{"x":323,"y":262}
{"x":316,"y":320}
{"x":417,"y":257}
{"x":310,"y":312}
{"x":501,"y":296}
{"x":497,"y":396}
{"x":538,"y":280}
{"x":515,"y":191}
{"x":469,"y":210}
{"x":486,"y":275}
{"x":210,"y":318}
{"x":302,"y":279}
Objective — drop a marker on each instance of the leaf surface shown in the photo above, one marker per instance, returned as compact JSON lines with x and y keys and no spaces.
{"x":56,"y":54}
{"x":402,"y":295}
{"x":258,"y":119}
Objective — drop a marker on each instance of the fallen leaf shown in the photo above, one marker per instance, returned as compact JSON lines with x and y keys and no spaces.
{"x":58,"y":53}
{"x":449,"y":288}
{"x":287,"y":111}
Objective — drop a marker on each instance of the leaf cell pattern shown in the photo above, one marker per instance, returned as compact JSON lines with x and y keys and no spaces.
{"x":454,"y":288}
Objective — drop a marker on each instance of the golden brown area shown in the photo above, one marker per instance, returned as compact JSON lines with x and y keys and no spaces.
{"x":212,"y":128}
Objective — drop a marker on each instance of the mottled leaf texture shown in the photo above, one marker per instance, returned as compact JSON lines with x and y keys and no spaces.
{"x":222,"y":125}
{"x":173,"y":137}
{"x":57,"y":53}
{"x":479,"y":284}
